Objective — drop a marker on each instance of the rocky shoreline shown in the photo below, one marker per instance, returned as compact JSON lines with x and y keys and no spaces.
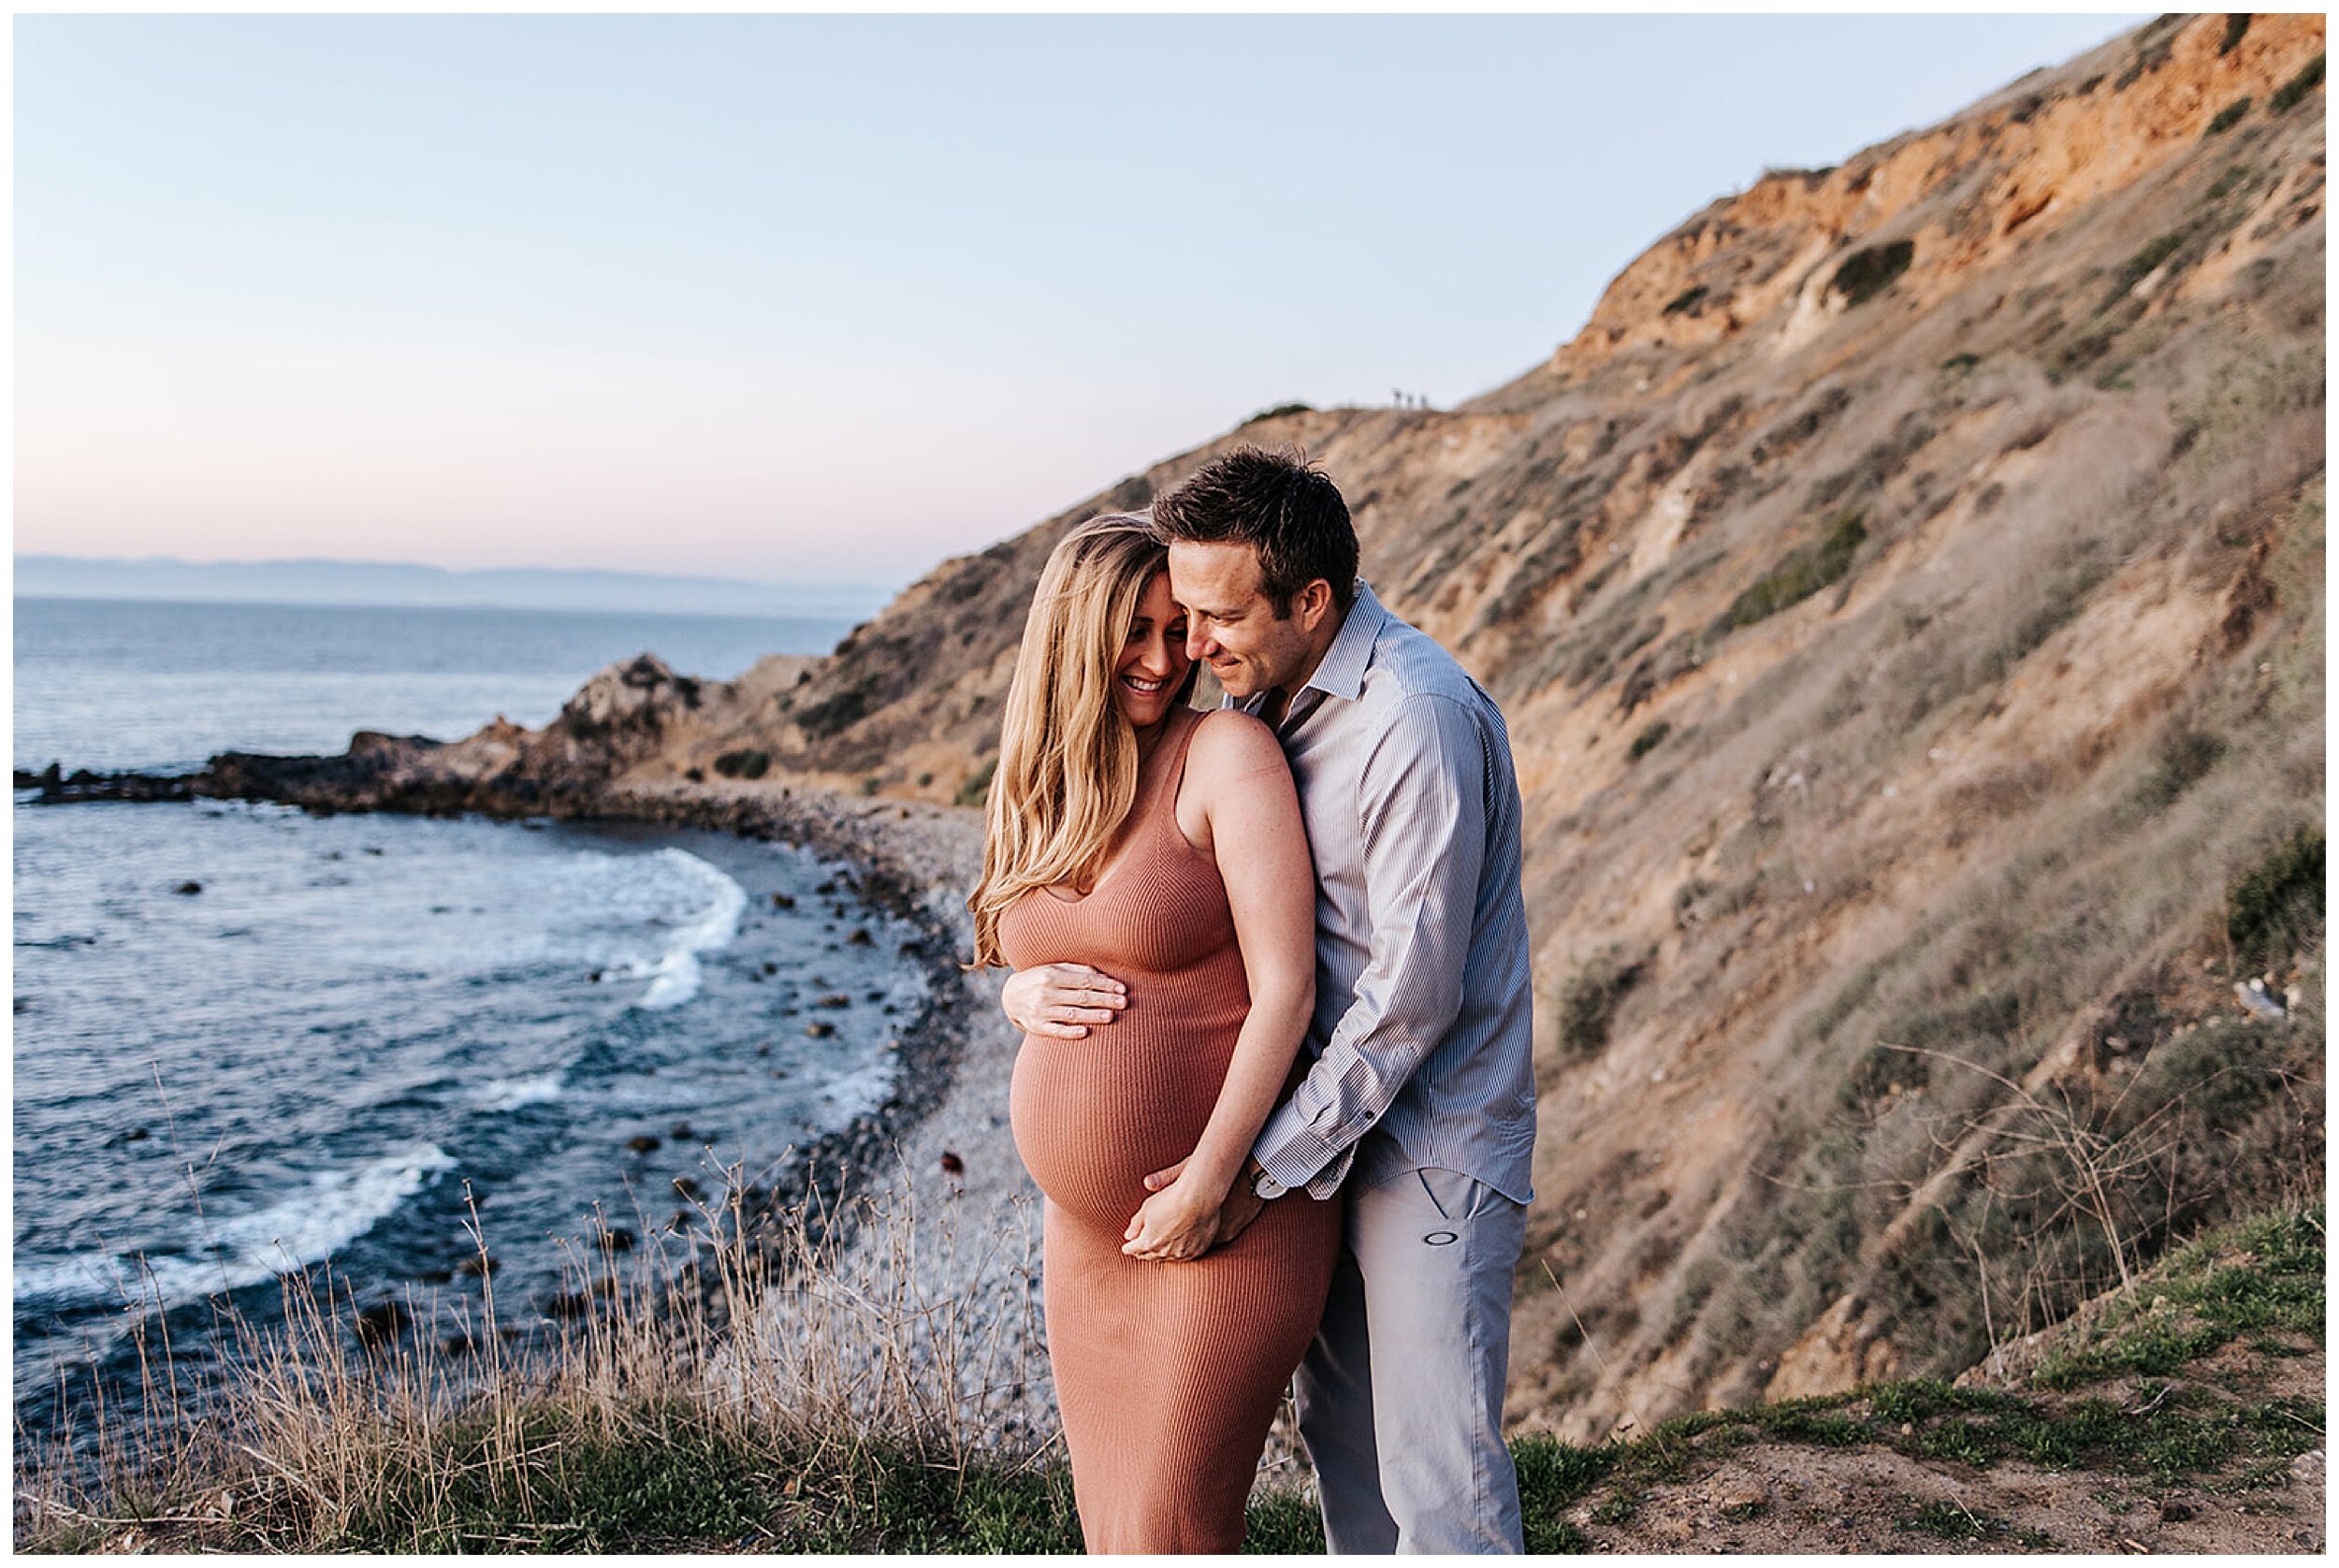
{"x":933,"y":1166}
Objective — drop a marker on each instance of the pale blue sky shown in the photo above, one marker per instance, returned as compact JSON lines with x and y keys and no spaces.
{"x":827,"y":298}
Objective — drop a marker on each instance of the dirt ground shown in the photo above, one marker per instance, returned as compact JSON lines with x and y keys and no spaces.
{"x":1771,"y":1496}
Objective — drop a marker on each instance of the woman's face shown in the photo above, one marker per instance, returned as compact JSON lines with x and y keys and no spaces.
{"x":1153,"y":661}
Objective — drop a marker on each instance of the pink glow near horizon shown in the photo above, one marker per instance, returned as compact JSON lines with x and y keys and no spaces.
{"x":828,"y":298}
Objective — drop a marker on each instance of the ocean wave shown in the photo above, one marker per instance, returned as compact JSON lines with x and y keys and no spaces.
{"x":674,"y":975}
{"x":510,"y":1093}
{"x":335,"y":1209}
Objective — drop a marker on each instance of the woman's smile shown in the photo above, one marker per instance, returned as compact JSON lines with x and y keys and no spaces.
{"x":1153,"y":659}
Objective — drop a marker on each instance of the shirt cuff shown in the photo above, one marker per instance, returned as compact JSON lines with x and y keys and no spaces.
{"x":1298,"y":1157}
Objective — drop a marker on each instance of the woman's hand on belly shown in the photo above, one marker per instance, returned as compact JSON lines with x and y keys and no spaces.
{"x":1060,"y":1000}
{"x":1176,"y":1224}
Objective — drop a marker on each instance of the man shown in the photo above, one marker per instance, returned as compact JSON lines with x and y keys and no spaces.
{"x":1419,"y":1102}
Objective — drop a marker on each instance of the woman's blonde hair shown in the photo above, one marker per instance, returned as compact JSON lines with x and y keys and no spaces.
{"x":1067,"y":773}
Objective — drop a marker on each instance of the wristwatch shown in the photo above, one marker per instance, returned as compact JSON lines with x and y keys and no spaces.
{"x":1266,"y":1188}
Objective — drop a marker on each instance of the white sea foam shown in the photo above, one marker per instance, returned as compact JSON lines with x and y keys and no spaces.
{"x":510,"y":1093}
{"x":674,"y":975}
{"x":334,"y":1210}
{"x":863,"y":1089}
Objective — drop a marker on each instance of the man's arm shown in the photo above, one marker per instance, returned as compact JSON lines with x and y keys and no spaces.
{"x":1061,"y":1000}
{"x":1423,"y":821}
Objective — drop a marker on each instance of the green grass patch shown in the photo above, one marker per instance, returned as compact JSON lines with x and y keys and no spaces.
{"x":1946,"y":1520}
{"x":1617,"y":1508}
{"x":1552,"y":1477}
{"x":672,"y":1484}
{"x":2168,"y":1434}
{"x":2259,"y":1277}
{"x":1284,"y":1523}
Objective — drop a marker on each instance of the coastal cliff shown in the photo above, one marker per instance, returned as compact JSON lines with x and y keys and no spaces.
{"x":1905,"y":594}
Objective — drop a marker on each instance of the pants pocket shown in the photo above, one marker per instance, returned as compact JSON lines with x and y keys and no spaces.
{"x":1455,"y":1196}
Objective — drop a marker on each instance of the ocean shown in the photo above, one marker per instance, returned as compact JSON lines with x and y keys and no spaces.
{"x":249,"y":1040}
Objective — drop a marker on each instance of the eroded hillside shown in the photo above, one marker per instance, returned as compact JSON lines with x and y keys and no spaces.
{"x":1907,"y":594}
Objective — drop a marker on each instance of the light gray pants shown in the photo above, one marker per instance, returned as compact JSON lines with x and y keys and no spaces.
{"x":1401,"y":1396}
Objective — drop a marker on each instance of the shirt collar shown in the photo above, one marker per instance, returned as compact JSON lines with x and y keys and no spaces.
{"x":1341,"y":671}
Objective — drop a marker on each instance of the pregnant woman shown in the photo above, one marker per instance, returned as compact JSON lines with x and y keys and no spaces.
{"x":1132,"y":834}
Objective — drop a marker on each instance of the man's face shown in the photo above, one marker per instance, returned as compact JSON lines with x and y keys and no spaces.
{"x":1230,"y":624}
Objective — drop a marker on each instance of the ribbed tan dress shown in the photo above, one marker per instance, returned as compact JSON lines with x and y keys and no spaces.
{"x":1168,"y":1374}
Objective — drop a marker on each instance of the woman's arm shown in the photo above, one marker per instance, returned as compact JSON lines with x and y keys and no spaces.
{"x":1248,"y":812}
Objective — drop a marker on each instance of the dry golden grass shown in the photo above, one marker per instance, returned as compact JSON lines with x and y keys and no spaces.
{"x":784,"y":1380}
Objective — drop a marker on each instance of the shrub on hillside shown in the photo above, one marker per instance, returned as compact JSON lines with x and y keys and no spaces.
{"x":2278,"y":902}
{"x":976,"y":789}
{"x":2230,"y":116}
{"x":2285,"y":96}
{"x":1801,"y":575}
{"x":1868,"y":273}
{"x":2136,"y":268}
{"x":829,"y":715}
{"x":1588,"y":1005}
{"x":2185,"y":755}
{"x":745,"y":762}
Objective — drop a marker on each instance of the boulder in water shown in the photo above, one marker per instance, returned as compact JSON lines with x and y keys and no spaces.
{"x":379,"y":1324}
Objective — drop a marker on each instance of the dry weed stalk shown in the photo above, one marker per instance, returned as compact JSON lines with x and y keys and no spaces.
{"x":2054,"y":1149}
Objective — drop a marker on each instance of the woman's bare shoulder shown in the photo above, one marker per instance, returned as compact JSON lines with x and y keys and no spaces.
{"x":1231,"y":735}
{"x":1230,"y":747}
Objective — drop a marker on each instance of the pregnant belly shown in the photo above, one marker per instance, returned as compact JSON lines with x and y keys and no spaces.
{"x":1094,"y":1117}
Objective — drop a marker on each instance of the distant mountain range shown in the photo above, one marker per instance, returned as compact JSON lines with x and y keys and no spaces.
{"x":347,"y":582}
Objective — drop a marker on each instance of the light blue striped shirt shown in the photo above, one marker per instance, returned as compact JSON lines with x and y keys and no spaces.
{"x":1422,"y":1039}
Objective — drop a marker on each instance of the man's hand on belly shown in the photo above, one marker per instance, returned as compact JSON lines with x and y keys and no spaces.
{"x":1061,"y":1000}
{"x":1241,"y":1207}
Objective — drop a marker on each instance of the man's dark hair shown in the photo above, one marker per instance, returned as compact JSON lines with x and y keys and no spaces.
{"x":1280,"y":504}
